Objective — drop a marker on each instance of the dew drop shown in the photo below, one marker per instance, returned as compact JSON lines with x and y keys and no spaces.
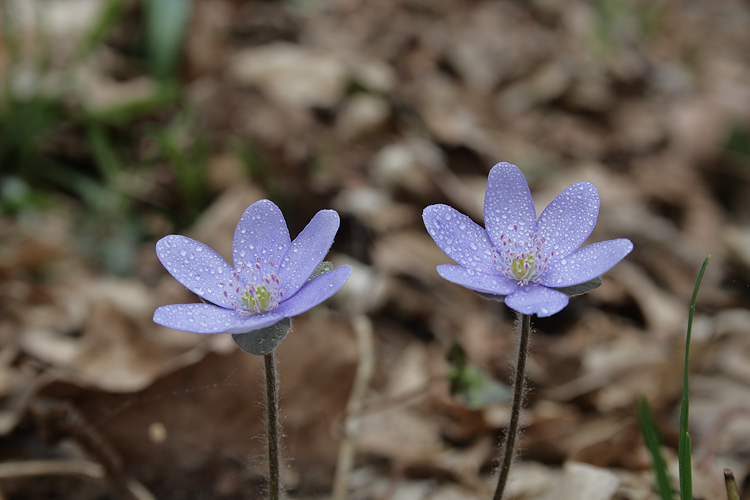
{"x":251,"y":246}
{"x":183,"y":252}
{"x":462,"y":225}
{"x":473,"y":245}
{"x":243,"y":253}
{"x":563,"y":262}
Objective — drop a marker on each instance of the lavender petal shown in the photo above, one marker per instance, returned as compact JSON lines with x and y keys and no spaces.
{"x":569,"y":219}
{"x":206,"y":318}
{"x":586,"y":263}
{"x":308,"y":249}
{"x":508,"y":207}
{"x":196,"y":266}
{"x":261,"y":236}
{"x":536,"y":299}
{"x":314,"y":292}
{"x":459,"y":237}
{"x":493,"y":283}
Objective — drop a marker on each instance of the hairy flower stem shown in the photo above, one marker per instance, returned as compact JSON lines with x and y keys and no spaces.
{"x":272,"y":406}
{"x":515,"y":413}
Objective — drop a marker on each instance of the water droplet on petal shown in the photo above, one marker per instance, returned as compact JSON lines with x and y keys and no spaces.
{"x":183,"y":252}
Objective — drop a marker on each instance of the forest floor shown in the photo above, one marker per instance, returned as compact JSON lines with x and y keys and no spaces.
{"x":124,"y":121}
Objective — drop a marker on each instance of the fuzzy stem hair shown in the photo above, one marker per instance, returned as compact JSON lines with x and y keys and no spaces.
{"x":272,"y":406}
{"x":519,"y":389}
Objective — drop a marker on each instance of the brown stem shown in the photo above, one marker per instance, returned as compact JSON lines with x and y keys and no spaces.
{"x":272,"y":405}
{"x":515,"y":414}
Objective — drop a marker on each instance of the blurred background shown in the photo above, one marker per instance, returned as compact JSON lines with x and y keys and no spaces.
{"x":122,"y":121}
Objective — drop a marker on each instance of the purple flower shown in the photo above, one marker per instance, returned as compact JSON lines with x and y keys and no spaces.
{"x":268,"y":283}
{"x":519,"y":258}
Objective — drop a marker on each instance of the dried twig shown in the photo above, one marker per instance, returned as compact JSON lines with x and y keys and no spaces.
{"x":363,"y":330}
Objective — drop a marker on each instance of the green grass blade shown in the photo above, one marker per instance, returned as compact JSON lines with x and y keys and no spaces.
{"x":166,"y":24}
{"x":105,"y":156}
{"x":110,"y":13}
{"x":684,"y":453}
{"x":653,"y":443}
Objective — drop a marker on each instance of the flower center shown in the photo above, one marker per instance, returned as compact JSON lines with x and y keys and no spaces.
{"x":523,"y":260}
{"x":254,"y":293}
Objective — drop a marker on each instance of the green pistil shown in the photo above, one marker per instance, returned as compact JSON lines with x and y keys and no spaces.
{"x":258,"y":301}
{"x":522,"y":268}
